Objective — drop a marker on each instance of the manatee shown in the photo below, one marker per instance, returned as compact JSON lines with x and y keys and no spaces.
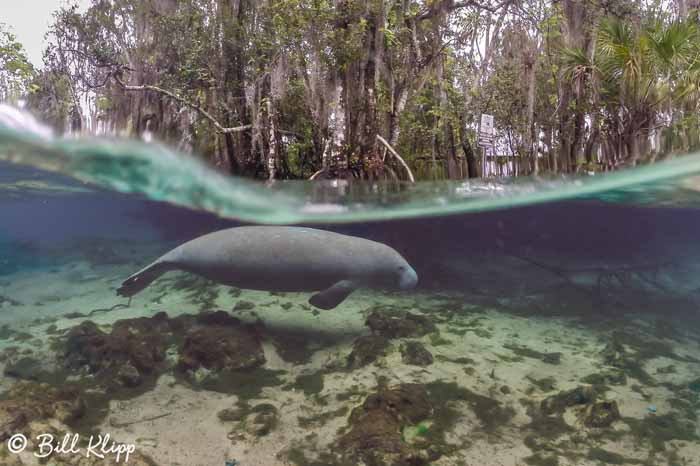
{"x":284,"y":259}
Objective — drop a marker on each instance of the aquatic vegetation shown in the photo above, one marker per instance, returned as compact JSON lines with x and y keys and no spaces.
{"x":695,"y":385}
{"x":436,"y":339}
{"x":549,"y":358}
{"x":490,"y":412}
{"x":608,"y":457}
{"x":310,"y":384}
{"x":540,"y":459}
{"x":606,"y":378}
{"x":296,"y":348}
{"x":322,"y":418}
{"x":366,"y":350}
{"x":394,"y":323}
{"x":376,"y":428}
{"x":27,"y":368}
{"x":601,"y":414}
{"x":243,"y":305}
{"x":7,"y":333}
{"x":656,"y":430}
{"x":413,"y":352}
{"x":556,"y":404}
{"x":615,"y":354}
{"x":546,"y":384}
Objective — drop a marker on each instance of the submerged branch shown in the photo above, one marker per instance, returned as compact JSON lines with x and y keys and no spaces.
{"x":116,"y":424}
{"x":604,"y":274}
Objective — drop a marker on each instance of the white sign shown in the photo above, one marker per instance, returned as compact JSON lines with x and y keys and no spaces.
{"x":487,"y":124}
{"x":487,"y":132}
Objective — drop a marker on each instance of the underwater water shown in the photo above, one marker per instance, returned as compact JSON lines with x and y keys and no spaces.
{"x":555,"y":322}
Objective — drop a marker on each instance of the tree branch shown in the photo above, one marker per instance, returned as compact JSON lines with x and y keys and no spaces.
{"x":449,"y":6}
{"x":147,"y":87}
{"x":398,"y":157}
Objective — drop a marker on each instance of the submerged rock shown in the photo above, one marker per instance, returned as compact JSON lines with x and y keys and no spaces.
{"x":220,"y":342}
{"x":558,"y":403}
{"x":35,"y":409}
{"x":27,"y":402}
{"x":133,"y":350}
{"x":414,"y":352}
{"x":366,"y":350}
{"x":258,"y":420}
{"x":601,"y":414}
{"x":394,"y":323}
{"x":129,"y":376}
{"x":375,"y":436}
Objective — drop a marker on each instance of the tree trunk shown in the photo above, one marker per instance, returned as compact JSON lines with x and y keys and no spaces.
{"x":272,"y":161}
{"x":633,"y":148}
{"x":444,"y":122}
{"x":530,"y":133}
{"x":577,"y":29}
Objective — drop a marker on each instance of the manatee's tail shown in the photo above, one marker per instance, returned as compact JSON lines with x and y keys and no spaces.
{"x":143,"y":278}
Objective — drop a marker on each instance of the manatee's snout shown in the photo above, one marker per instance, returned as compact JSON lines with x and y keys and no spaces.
{"x":408,"y":278}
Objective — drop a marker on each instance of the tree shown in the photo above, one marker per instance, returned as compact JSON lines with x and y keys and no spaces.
{"x":374,"y":89}
{"x":640,"y":74}
{"x":16,"y":72}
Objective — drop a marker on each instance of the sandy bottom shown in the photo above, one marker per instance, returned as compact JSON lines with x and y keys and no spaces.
{"x":492,"y":352}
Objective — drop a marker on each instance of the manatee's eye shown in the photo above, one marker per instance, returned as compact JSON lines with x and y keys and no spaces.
{"x":401,"y":268}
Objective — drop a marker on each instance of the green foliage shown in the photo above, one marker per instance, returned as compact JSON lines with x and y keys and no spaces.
{"x":16,"y":73}
{"x":418,"y":75}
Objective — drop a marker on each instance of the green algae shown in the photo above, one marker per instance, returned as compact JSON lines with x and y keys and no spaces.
{"x":310,"y":384}
{"x":322,"y":418}
{"x":244,"y":384}
{"x":549,"y":358}
{"x":546,"y":384}
{"x":602,"y":379}
{"x":695,"y":385}
{"x":460,"y":360}
{"x":353,"y":391}
{"x":437,"y":340}
{"x":295,"y":348}
{"x":542,"y":460}
{"x":509,"y":358}
{"x":29,"y":368}
{"x":688,"y":408}
{"x":656,"y":430}
{"x":6,"y":332}
{"x":474,"y":326}
{"x":297,"y":456}
{"x":22,"y":336}
{"x":490,"y":412}
{"x":546,"y":428}
{"x":243,"y":306}
{"x":606,"y":457}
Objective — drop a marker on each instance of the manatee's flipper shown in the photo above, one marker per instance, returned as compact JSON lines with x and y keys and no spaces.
{"x":143,"y":278}
{"x":331,"y":297}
